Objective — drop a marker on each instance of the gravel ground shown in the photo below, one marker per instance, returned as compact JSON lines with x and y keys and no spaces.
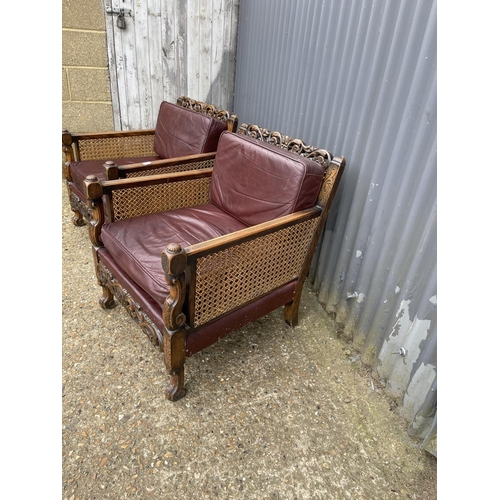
{"x":271,"y":412}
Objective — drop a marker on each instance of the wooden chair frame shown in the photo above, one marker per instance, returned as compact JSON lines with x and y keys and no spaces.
{"x":198,"y":296}
{"x":130,"y":144}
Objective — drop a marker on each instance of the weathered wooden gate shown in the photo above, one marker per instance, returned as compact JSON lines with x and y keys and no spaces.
{"x":161,"y":49}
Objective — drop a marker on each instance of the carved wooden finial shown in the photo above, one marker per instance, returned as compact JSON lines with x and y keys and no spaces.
{"x":174,"y":260}
{"x":111,"y":172}
{"x":173,"y":248}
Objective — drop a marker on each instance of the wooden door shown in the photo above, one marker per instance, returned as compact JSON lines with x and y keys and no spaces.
{"x":169,"y":48}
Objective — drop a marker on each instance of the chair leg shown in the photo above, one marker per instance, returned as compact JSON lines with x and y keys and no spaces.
{"x":105,"y":281}
{"x":174,"y":353}
{"x":77,"y":218}
{"x":291,"y":310}
{"x":107,"y":300}
{"x":175,"y":388}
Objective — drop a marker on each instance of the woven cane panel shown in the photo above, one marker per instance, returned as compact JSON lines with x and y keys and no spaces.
{"x":134,"y":202}
{"x":197,"y":165}
{"x":116,"y":147}
{"x":230,"y":278}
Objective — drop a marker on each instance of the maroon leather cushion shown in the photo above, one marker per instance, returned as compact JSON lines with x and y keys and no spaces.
{"x":136,"y":244}
{"x":182,"y":132}
{"x":256,"y":182}
{"x":80,"y":169}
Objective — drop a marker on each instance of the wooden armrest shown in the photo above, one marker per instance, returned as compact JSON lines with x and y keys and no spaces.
{"x":95,"y":189}
{"x":109,"y":134}
{"x":155,"y":167}
{"x":249,"y":233}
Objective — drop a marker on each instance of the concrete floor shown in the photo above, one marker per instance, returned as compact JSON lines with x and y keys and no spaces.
{"x":271,"y":412}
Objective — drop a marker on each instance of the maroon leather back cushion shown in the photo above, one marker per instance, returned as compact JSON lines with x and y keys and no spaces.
{"x":182,"y":132}
{"x":256,"y":182}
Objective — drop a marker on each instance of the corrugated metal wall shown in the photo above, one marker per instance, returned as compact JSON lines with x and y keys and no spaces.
{"x":359,"y":78}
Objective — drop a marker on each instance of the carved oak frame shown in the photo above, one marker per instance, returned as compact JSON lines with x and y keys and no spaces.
{"x":72,"y":152}
{"x":180,"y":264}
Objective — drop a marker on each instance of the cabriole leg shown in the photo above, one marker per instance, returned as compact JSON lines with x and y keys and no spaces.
{"x":104,"y":279}
{"x":77,"y":218}
{"x":107,"y":300}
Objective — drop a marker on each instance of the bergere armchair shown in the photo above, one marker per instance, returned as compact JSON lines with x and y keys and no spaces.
{"x":214,"y":248}
{"x":183,"y":130}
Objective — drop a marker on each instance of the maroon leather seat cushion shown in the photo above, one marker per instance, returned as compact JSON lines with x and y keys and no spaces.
{"x":183,"y":132}
{"x":80,"y":169}
{"x":136,"y":244}
{"x":257,"y":182}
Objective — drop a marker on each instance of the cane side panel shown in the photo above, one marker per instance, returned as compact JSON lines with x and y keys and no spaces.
{"x":134,"y":202}
{"x":116,"y":147}
{"x":196,"y":165}
{"x":228,"y":279}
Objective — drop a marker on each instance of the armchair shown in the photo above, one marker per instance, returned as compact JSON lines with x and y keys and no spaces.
{"x":218,"y":247}
{"x":188,"y":128}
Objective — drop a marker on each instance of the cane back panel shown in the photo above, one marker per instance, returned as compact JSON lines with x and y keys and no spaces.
{"x":116,"y":147}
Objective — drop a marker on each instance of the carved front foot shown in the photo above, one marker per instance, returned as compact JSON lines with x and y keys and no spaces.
{"x":78,"y":219}
{"x":175,"y":387}
{"x":107,"y":300}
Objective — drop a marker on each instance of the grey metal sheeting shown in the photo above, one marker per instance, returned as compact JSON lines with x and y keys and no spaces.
{"x":359,"y":78}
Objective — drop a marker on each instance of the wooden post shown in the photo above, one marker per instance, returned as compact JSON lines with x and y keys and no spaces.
{"x":67,"y":149}
{"x":174,"y":262}
{"x":94,"y":193}
{"x":110,"y":171}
